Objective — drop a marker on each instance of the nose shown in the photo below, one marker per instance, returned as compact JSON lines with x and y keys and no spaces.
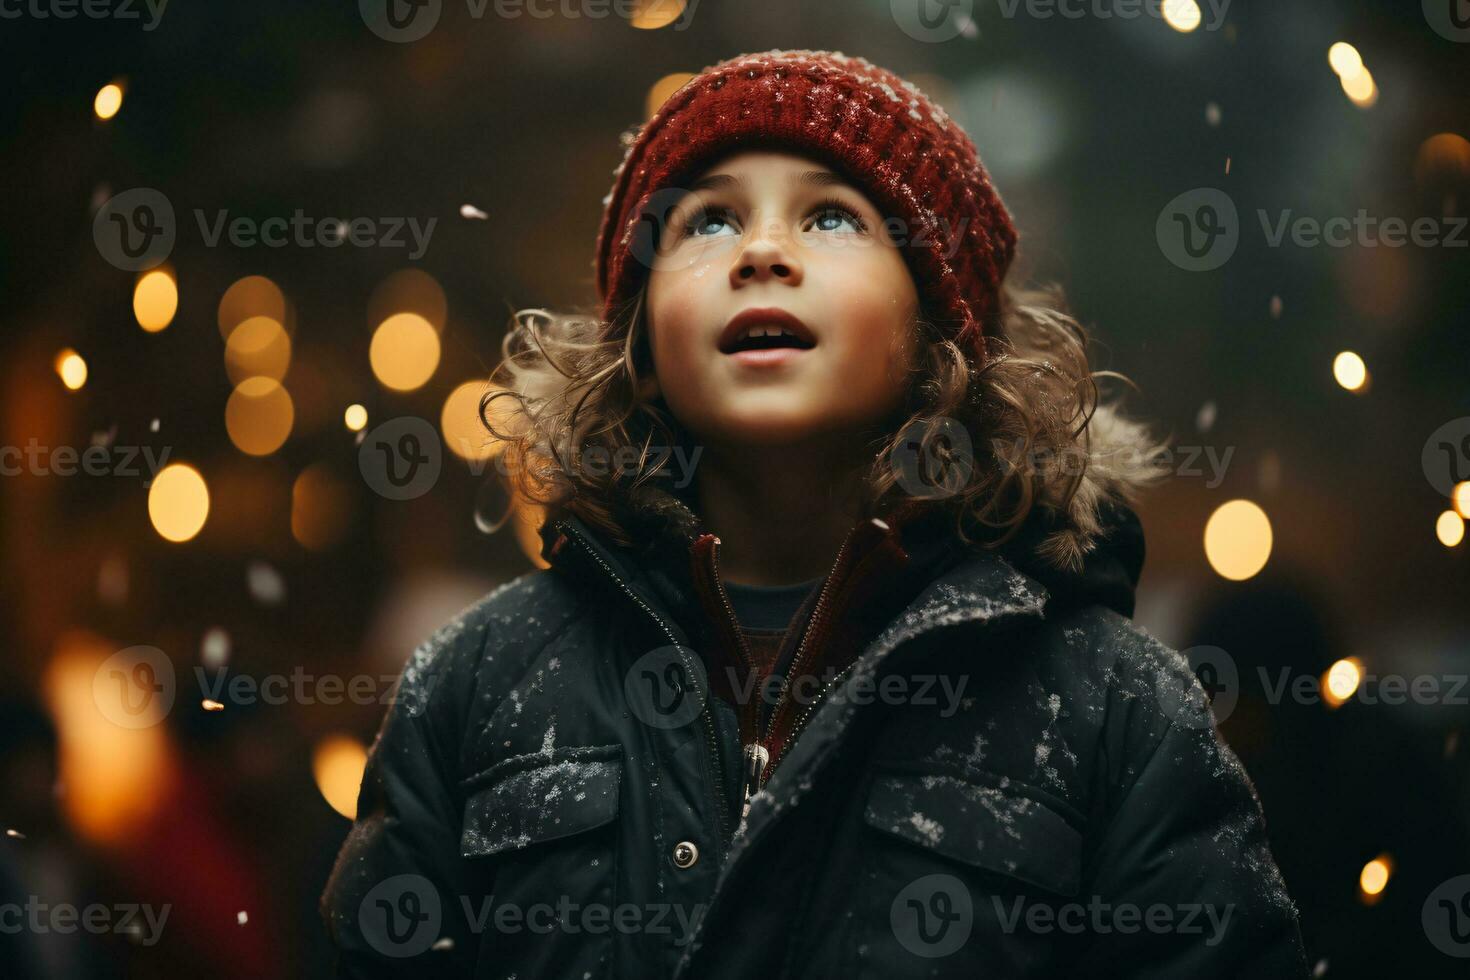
{"x":766,"y":255}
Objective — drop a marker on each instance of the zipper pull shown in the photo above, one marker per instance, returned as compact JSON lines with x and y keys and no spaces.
{"x":756,"y":757}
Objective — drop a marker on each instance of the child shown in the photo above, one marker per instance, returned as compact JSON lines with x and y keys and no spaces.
{"x":857,"y":695}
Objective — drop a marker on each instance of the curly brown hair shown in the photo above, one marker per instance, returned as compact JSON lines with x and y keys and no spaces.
{"x":1026,"y":429}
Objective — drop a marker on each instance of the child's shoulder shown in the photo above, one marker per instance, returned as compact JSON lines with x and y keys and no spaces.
{"x":507,"y":626}
{"x":1106,"y":664}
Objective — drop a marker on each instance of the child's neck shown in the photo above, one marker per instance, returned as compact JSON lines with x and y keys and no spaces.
{"x":781,"y":512}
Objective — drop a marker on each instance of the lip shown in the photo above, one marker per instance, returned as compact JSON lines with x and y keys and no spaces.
{"x":762,"y":316}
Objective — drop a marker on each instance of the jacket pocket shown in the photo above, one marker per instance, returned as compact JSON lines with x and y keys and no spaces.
{"x":953,"y":867}
{"x":542,"y":841}
{"x":532,"y":799}
{"x":987,"y":827}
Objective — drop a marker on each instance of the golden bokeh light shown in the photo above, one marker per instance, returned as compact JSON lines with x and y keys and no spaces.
{"x":1344,"y":59}
{"x":1182,"y":15}
{"x":1238,"y":540}
{"x":460,"y":422}
{"x":71,"y":368}
{"x":320,"y":508}
{"x":355,"y":417}
{"x":1361,"y":88}
{"x":116,"y":777}
{"x":404,"y":351}
{"x":1461,"y":497}
{"x":178,"y":502}
{"x":659,"y":91}
{"x":337,"y":763}
{"x":155,"y":299}
{"x":258,"y":347}
{"x":1349,"y":370}
{"x":1450,"y":529}
{"x":650,"y":15}
{"x":108,"y":101}
{"x":248,"y":297}
{"x":409,"y":291}
{"x":259,"y":416}
{"x":1341,"y":680}
{"x":1443,"y":155}
{"x":1374,"y":878}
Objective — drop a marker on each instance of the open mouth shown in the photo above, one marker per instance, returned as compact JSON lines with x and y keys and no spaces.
{"x":766,"y":338}
{"x":764,"y":329}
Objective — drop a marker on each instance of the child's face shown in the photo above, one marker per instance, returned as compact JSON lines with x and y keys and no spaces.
{"x":764,"y":230}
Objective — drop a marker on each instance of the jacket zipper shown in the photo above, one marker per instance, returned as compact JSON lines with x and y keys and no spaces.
{"x":757,"y":754}
{"x":800,"y":722}
{"x":798,"y":668}
{"x":721,"y":810}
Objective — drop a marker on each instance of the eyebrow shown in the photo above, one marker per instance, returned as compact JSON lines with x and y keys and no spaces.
{"x":819,"y":178}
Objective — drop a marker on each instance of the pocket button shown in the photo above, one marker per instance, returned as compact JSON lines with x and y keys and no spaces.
{"x":685,"y":854}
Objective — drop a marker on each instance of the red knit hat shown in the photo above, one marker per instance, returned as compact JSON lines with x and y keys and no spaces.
{"x":886,"y":137}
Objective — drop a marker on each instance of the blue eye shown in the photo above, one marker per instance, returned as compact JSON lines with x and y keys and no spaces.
{"x":832,"y":216}
{"x":707,"y":222}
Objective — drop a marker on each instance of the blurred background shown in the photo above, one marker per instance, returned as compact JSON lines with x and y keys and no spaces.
{"x":192,"y":364}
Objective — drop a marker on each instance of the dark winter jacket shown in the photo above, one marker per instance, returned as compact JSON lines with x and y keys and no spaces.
{"x":1000,"y":775}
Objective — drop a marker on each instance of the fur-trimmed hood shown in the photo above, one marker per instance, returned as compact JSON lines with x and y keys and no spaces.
{"x":1090,"y":551}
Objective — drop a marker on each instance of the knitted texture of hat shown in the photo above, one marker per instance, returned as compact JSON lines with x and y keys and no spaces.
{"x":885,"y":136}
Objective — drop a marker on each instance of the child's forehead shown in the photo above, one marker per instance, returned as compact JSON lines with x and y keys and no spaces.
{"x":766,"y":159}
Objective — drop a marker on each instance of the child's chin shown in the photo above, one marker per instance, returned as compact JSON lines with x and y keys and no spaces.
{"x":775,"y":428}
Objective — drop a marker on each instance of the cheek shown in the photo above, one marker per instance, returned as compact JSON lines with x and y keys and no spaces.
{"x":876,"y":304}
{"x":673,"y":307}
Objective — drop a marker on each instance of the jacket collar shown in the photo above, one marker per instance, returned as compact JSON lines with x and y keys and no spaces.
{"x":655,"y":570}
